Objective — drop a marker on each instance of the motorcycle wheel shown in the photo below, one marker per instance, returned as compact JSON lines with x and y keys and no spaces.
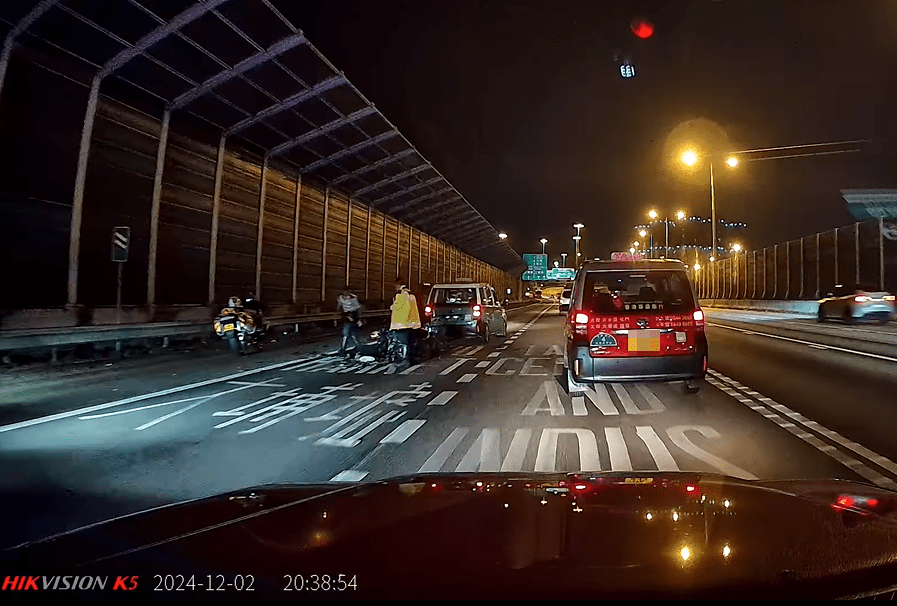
{"x":234,"y":343}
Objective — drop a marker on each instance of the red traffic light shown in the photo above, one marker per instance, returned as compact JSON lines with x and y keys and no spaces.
{"x":642,"y":28}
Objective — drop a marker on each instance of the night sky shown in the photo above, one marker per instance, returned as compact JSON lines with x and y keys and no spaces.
{"x":522,"y":107}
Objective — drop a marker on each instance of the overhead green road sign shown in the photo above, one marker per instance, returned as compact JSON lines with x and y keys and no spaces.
{"x":536,"y":267}
{"x":561,"y":273}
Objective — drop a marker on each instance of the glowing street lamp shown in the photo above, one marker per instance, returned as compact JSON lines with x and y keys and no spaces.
{"x":690,"y":158}
{"x":631,"y":250}
{"x":502,"y":235}
{"x":736,"y":247}
{"x":544,"y":242}
{"x":643,"y":233}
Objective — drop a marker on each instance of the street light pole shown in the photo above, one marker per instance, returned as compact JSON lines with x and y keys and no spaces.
{"x":712,"y":211}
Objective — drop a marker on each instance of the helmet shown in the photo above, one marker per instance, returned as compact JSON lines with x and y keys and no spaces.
{"x":234,"y":302}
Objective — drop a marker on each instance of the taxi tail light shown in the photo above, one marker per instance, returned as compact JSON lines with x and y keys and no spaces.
{"x":428,"y":310}
{"x":580,"y":323}
{"x":698,"y":316}
{"x":476,"y":311}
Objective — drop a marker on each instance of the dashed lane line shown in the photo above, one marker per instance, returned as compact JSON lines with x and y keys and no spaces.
{"x":744,"y":395}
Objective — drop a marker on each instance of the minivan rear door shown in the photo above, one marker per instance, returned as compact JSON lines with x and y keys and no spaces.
{"x":453,"y":305}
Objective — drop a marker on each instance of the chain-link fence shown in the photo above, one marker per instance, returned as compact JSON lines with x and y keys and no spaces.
{"x":863,"y":254}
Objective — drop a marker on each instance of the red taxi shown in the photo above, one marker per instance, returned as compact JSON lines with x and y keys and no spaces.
{"x":634,"y":320}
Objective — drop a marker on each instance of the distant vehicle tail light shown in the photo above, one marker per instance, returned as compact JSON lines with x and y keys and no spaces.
{"x":862,"y":298}
{"x":888,"y":297}
{"x":428,"y":310}
{"x":476,"y":311}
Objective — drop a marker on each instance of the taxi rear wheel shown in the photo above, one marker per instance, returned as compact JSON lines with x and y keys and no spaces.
{"x":486,"y":330}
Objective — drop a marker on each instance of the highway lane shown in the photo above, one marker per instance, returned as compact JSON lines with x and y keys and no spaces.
{"x":305,"y":417}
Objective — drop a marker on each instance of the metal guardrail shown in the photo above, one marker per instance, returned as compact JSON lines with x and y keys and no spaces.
{"x":37,"y":338}
{"x":20,"y":340}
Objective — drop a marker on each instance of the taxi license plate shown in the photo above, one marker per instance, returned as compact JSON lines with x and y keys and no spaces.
{"x":644,"y":340}
{"x":227,"y":327}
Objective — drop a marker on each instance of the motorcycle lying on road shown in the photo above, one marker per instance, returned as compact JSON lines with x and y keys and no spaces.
{"x":385,"y":346}
{"x":240,"y":325}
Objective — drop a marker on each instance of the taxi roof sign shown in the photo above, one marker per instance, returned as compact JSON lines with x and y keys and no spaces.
{"x":626,"y":256}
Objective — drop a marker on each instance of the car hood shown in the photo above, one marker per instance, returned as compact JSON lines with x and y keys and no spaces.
{"x":506,"y":535}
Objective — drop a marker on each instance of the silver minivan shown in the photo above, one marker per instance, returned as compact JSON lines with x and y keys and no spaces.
{"x":466,"y":309}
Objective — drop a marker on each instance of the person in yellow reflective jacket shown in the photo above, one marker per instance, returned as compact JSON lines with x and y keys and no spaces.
{"x":405,"y":316}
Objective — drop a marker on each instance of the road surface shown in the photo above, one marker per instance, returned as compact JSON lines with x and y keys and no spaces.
{"x":787,"y":398}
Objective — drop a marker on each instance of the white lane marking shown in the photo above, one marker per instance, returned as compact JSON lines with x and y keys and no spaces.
{"x":517,"y":451}
{"x":482,"y":364}
{"x":314,"y":365}
{"x":349,"y":475}
{"x":453,"y":366}
{"x":155,"y":394}
{"x":403,"y":431}
{"x":677,"y":435}
{"x":554,"y":350}
{"x":654,"y":403}
{"x":541,"y":395}
{"x":662,"y":457}
{"x":601,"y":399}
{"x":166,"y":417}
{"x":238,"y":413}
{"x":554,"y":397}
{"x":373,"y":422}
{"x":483,"y":454}
{"x":139,"y":408}
{"x":494,"y":354}
{"x":278,"y":417}
{"x":802,"y":342}
{"x":625,"y":399}
{"x":546,"y":459}
{"x":474,"y":350}
{"x":444,"y":451}
{"x":530,"y":363}
{"x":391,"y":369}
{"x":616,"y":447}
{"x":250,"y":384}
{"x":823,"y":347}
{"x":329,"y":416}
{"x":723,"y":383}
{"x":494,"y":369}
{"x":466,"y":378}
{"x":410,"y":370}
{"x":531,"y":350}
{"x":579,"y":406}
{"x":442,"y":398}
{"x":376,"y":369}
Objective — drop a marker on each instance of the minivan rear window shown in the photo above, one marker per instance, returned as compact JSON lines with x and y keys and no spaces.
{"x":453,"y":296}
{"x":634,"y":291}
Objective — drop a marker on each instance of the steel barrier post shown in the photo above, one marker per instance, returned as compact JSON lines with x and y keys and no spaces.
{"x":296,"y":218}
{"x":260,"y":237}
{"x":216,"y":210}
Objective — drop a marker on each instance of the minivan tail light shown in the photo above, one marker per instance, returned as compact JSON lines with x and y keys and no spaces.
{"x":581,"y":318}
{"x":580,"y":323}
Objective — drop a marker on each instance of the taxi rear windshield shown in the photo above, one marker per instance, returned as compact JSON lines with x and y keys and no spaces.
{"x":630,"y":292}
{"x":453,"y":296}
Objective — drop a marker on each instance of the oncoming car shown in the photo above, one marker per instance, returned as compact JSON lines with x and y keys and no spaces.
{"x":466,"y":309}
{"x":634,"y":321}
{"x":852,"y":304}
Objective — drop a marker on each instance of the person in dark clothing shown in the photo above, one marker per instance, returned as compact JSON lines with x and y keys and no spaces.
{"x":350,"y":308}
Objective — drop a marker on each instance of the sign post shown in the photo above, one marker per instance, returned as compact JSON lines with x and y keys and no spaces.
{"x":121,"y":240}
